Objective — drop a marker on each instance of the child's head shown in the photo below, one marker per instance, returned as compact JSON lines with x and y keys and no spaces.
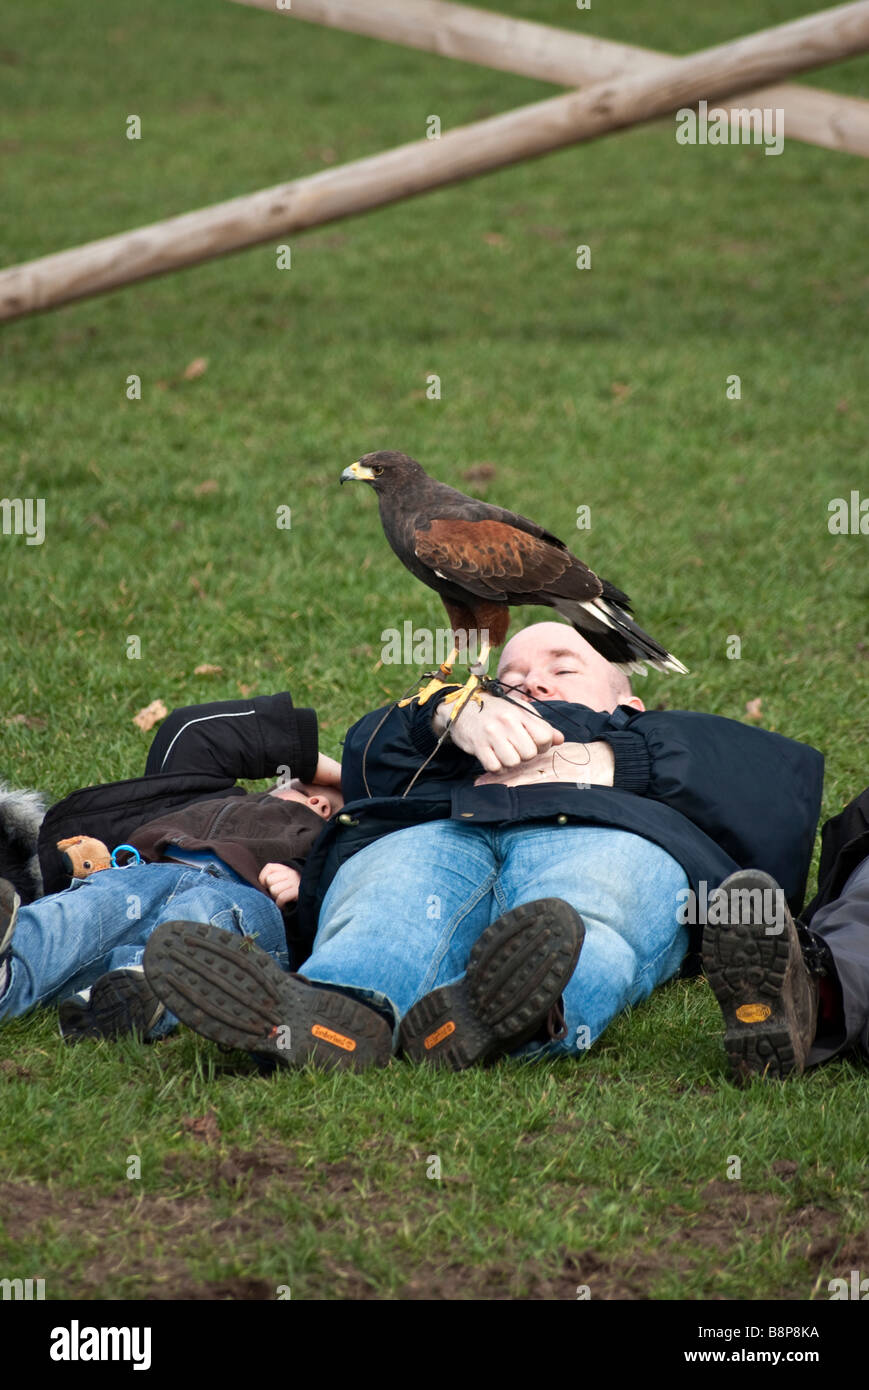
{"x":324,"y":800}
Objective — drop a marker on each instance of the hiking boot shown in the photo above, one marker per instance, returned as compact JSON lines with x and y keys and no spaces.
{"x":9,"y":905}
{"x":121,"y":1001}
{"x":225,"y":987}
{"x":756,"y":967}
{"x":516,"y":972}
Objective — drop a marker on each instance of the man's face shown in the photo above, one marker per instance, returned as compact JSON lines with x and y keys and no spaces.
{"x":549,"y":661}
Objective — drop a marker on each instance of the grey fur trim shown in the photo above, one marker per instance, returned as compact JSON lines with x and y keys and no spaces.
{"x":21,"y":814}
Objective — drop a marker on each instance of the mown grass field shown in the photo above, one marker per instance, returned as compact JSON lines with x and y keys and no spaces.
{"x":604,"y":388}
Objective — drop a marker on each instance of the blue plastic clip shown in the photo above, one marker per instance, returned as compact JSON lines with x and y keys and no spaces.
{"x":131,"y":849}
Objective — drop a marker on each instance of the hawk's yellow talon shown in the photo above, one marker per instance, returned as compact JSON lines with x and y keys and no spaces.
{"x":438,"y":682}
{"x":431,"y":689}
{"x":435,"y":683}
{"x":471,"y":690}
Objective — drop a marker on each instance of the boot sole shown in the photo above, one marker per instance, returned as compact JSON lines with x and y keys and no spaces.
{"x":224,"y":987}
{"x":517,"y":970}
{"x":751,"y":976}
{"x":119,"y":1003}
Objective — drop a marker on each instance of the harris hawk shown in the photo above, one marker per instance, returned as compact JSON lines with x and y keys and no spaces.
{"x":483,"y":560}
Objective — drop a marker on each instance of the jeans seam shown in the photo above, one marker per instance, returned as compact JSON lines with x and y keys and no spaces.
{"x":182,"y":879}
{"x":498,"y":895}
{"x":450,"y":931}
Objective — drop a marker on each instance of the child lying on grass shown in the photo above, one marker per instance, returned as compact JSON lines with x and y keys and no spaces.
{"x":231,"y":860}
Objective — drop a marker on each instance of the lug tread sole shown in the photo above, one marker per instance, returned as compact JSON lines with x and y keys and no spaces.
{"x":119,"y":1004}
{"x":517,"y":969}
{"x":744,"y":965}
{"x":231,"y":992}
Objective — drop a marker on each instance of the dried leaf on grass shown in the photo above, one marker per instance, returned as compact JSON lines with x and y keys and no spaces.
{"x":150,"y":715}
{"x":30,"y":721}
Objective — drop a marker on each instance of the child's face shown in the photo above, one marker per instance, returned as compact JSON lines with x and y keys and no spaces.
{"x":317,"y":800}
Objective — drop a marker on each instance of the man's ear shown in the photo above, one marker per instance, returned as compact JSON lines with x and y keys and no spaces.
{"x":635,"y":702}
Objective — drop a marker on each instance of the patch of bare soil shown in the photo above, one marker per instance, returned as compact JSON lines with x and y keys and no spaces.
{"x":729,"y":1217}
{"x":156,"y":1235}
{"x":121,"y":1246}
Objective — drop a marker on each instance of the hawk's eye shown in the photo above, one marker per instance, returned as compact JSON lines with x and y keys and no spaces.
{"x":376,"y":469}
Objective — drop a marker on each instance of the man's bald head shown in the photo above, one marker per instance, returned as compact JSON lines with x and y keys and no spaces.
{"x":551,"y":661}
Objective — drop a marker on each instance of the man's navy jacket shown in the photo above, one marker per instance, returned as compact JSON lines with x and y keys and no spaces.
{"x":715,"y":794}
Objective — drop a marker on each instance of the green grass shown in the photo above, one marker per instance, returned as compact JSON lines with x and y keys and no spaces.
{"x":603,"y":387}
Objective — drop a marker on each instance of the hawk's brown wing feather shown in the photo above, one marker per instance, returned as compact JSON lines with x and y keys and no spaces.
{"x":492,"y":558}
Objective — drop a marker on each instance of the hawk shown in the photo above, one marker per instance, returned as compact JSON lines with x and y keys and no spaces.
{"x":483,"y":560}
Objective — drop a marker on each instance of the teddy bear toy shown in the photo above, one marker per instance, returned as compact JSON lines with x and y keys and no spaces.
{"x":83,"y":855}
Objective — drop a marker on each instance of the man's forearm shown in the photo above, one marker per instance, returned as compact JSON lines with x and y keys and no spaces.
{"x":576,"y":764}
{"x":500,"y":734}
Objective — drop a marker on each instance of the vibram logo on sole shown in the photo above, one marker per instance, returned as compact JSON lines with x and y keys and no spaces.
{"x":337,"y":1039}
{"x":438,"y":1036}
{"x":753,"y":1013}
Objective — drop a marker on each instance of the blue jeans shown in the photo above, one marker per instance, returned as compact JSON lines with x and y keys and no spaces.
{"x":64,"y":942}
{"x":400,"y":917}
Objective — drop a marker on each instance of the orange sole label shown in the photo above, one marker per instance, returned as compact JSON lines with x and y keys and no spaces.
{"x":438,"y":1036}
{"x":753,"y":1013}
{"x":337,"y":1039}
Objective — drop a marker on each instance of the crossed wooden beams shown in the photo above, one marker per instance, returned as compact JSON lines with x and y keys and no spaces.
{"x":629,"y":87}
{"x":565,"y":58}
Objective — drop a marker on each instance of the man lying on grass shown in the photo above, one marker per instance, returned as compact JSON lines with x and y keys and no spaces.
{"x":515,"y":889}
{"x":458,"y":942}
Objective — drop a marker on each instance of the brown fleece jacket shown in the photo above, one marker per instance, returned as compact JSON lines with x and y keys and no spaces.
{"x":246,"y":832}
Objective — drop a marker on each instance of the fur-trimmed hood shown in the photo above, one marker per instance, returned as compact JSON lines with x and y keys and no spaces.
{"x":21,"y":815}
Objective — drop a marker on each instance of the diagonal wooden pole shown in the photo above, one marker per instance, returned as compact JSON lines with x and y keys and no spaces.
{"x":565,"y":58}
{"x":417,"y":168}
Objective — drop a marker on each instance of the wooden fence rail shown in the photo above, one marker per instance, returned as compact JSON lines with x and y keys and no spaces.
{"x":565,"y":58}
{"x":713,"y":74}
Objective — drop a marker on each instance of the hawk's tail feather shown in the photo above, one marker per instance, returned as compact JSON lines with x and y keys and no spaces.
{"x":618,"y":638}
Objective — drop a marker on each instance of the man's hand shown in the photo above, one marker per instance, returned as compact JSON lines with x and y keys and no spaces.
{"x":281,"y":882}
{"x":577,"y":764}
{"x":498,"y":733}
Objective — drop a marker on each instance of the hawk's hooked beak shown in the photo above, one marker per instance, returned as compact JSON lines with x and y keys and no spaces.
{"x":357,"y":473}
